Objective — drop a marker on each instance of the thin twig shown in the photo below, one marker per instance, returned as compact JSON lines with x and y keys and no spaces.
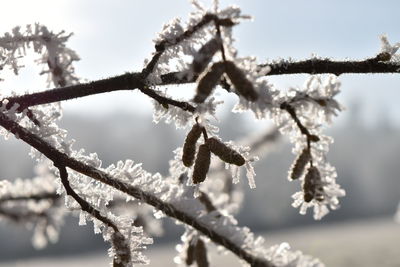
{"x":85,"y":206}
{"x":35,"y":197}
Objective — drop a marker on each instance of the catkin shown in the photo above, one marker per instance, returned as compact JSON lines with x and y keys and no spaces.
{"x":299,"y":164}
{"x":202,"y":164}
{"x":205,"y":54}
{"x":312,"y":187}
{"x":189,"y":147}
{"x":208,"y":81}
{"x":239,"y":80}
{"x":201,"y":254}
{"x":190,"y":253}
{"x":224,"y":152}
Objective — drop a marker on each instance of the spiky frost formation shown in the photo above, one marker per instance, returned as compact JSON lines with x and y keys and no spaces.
{"x":299,"y":164}
{"x":189,"y":147}
{"x":208,"y":81}
{"x":202,"y":164}
{"x":224,"y":152}
{"x":37,"y":207}
{"x":388,"y":51}
{"x":56,"y":58}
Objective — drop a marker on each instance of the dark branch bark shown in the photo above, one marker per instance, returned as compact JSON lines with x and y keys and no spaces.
{"x":64,"y":160}
{"x":35,"y":197}
{"x":126,"y":81}
{"x":320,"y":66}
{"x":21,"y":216}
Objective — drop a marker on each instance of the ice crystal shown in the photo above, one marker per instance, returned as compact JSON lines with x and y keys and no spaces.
{"x":55,"y":55}
{"x":386,"y":47}
{"x":37,"y":205}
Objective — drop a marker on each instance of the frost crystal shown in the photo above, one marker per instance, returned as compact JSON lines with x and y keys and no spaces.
{"x":56,"y":56}
{"x":386,"y":47}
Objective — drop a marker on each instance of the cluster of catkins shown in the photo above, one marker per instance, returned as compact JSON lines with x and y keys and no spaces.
{"x":312,"y":184}
{"x":197,"y":252}
{"x":203,"y":158}
{"x":208,"y":79}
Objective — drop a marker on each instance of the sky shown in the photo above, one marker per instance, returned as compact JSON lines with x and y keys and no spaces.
{"x":113,"y":37}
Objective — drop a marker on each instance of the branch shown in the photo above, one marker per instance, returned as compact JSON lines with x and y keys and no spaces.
{"x":131,"y":81}
{"x":128,"y":81}
{"x":35,"y":197}
{"x":22,"y":216}
{"x":320,"y":66}
{"x":62,"y":160}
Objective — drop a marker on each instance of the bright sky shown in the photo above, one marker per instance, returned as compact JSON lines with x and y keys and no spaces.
{"x":113,"y":37}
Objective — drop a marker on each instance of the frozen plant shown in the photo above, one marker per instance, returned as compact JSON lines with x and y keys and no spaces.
{"x":199,"y":191}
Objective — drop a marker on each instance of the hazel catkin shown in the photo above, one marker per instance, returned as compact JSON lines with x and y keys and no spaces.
{"x":208,"y":81}
{"x":300,"y":164}
{"x":190,"y":253}
{"x":201,"y":254}
{"x":224,"y":152}
{"x":202,"y":164}
{"x":204,"y":55}
{"x":189,"y":147}
{"x":312,"y":186}
{"x":238,"y":78}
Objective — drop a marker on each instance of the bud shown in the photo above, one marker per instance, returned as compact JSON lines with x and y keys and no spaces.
{"x":226,"y":22}
{"x":189,"y":147}
{"x":239,"y":80}
{"x":224,"y":152}
{"x":202,"y":164}
{"x":205,"y":54}
{"x":208,"y":81}
{"x":383,"y":56}
{"x":206,"y":201}
{"x":299,"y":164}
{"x":313,"y":138}
{"x":201,"y":254}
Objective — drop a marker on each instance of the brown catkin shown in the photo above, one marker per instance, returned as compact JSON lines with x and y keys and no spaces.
{"x":208,"y":81}
{"x":189,"y":147}
{"x":299,"y":164}
{"x":312,"y":181}
{"x":224,"y":152}
{"x":201,"y":254}
{"x":190,"y":253}
{"x":202,"y":164}
{"x":204,"y":55}
{"x":239,"y":80}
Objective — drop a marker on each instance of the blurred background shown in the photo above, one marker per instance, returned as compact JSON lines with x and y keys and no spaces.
{"x":113,"y":37}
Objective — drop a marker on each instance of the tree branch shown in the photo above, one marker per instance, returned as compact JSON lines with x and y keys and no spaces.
{"x":62,"y":160}
{"x":35,"y":197}
{"x":131,"y":81}
{"x":320,"y":66}
{"x":18,"y":216}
